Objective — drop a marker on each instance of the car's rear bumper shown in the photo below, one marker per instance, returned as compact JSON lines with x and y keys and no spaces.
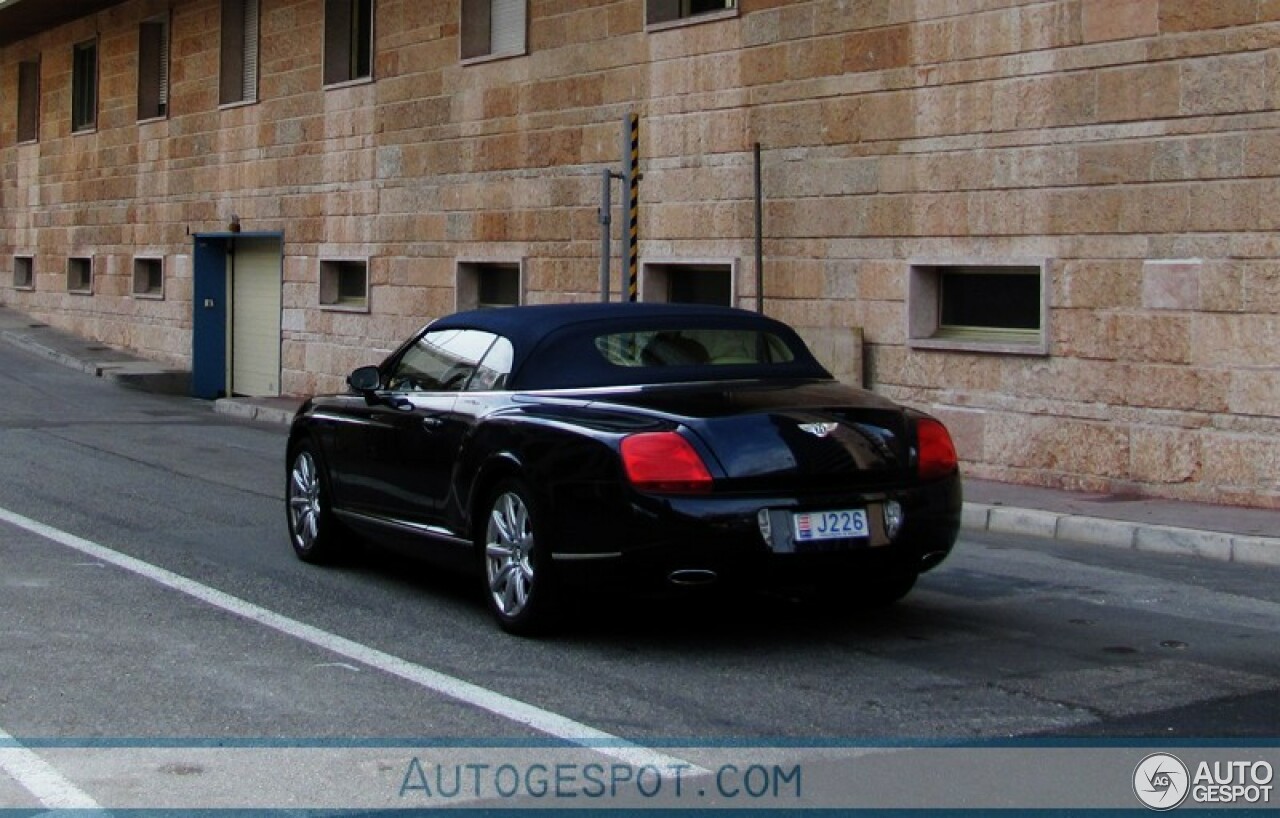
{"x":653,"y":542}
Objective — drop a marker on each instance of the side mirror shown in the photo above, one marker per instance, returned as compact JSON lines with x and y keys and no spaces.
{"x":366,"y":379}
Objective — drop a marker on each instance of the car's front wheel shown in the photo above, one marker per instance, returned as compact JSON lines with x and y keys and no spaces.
{"x":518,"y":581}
{"x":312,"y":529}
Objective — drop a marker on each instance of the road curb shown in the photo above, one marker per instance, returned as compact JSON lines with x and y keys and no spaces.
{"x":23,"y":341}
{"x":131,"y":372}
{"x":1161,"y":539}
{"x":249,"y":411}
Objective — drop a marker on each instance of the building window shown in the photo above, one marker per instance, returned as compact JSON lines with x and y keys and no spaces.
{"x":344,"y":284}
{"x":239,"y":59}
{"x":493,"y":28}
{"x":148,"y":277}
{"x":676,"y":12}
{"x":153,"y":69}
{"x":24,"y":277}
{"x":28,"y":101}
{"x":84,"y":86}
{"x":348,"y":40}
{"x":80,"y":275}
{"x":692,"y":282}
{"x":489,"y":284}
{"x":979,"y":307}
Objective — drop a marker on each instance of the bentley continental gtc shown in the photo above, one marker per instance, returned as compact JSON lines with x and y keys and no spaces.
{"x":561,"y":448}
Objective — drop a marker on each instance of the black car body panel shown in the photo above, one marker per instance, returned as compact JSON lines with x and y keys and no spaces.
{"x":777,"y":434}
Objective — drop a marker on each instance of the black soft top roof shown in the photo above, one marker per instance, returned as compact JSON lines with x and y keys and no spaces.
{"x":554,"y":343}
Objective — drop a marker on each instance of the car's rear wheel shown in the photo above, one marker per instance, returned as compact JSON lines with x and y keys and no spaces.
{"x":312,"y":529}
{"x":518,"y":581}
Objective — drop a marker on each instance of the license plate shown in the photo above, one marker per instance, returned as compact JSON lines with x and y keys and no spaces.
{"x":812,"y":526}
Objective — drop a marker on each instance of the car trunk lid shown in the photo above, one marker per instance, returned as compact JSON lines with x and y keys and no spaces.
{"x":768,"y":436}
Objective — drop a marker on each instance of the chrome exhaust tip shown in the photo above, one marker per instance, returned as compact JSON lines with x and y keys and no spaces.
{"x":692,"y":576}
{"x":931,"y":559}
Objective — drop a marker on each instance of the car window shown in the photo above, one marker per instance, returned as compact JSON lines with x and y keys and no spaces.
{"x":440,"y":361}
{"x":693,"y":347}
{"x":493,"y":370}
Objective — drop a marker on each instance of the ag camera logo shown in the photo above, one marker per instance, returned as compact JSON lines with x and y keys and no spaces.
{"x":1160,"y":781}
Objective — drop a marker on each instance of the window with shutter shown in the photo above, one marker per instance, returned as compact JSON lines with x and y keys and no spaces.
{"x":348,"y":40}
{"x":153,"y":69}
{"x":658,"y":12}
{"x":238,"y":81}
{"x":249,"y":86}
{"x":28,"y":101}
{"x":84,"y":86}
{"x":494,"y":28}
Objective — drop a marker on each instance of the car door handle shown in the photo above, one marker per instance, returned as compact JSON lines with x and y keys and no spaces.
{"x":431,"y":423}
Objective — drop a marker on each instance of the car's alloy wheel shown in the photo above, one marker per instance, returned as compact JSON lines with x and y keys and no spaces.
{"x":515,"y":571}
{"x":311,"y":527}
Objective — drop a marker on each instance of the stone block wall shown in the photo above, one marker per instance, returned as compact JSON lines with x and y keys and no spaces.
{"x":1133,"y":144}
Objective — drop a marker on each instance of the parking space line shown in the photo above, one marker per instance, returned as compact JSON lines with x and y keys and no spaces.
{"x":38,"y":777}
{"x":543,"y":721}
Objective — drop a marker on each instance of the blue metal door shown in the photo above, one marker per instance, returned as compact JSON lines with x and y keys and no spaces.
{"x":209,"y":323}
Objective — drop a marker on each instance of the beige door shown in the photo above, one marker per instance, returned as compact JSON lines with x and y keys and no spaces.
{"x":255,"y":278}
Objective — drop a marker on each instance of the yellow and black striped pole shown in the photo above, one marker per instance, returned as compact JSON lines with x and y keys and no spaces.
{"x":633,"y":208}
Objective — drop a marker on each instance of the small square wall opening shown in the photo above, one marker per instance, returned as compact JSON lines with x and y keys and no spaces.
{"x":344,"y":284}
{"x":688,"y":282}
{"x":489,"y":284}
{"x":24,"y":273}
{"x":148,"y":277}
{"x":965,"y":306}
{"x":80,"y":275}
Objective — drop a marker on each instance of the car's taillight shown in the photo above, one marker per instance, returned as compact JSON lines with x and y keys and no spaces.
{"x":665,"y":463}
{"x":937,"y":453}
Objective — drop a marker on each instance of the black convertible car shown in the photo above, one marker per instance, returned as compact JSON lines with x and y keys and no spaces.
{"x":643,"y":444}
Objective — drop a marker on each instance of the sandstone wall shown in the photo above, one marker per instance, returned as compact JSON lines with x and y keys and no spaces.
{"x":1133,"y":144}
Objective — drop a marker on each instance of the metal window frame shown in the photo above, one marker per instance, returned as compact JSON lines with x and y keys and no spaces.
{"x":84,"y":89}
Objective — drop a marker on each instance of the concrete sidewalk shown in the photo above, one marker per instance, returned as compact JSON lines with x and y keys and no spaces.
{"x":1223,"y":533}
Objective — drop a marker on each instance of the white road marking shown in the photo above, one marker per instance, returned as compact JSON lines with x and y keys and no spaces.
{"x":536,"y":718}
{"x":38,"y":777}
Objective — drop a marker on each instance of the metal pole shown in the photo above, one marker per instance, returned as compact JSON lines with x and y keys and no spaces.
{"x":632,"y":170}
{"x":606,"y":222}
{"x":624,"y":203}
{"x":759,"y":233}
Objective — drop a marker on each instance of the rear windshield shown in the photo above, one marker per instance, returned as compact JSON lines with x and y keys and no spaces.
{"x":693,"y":347}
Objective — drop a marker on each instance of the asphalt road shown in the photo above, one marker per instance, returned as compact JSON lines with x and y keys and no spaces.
{"x":163,"y":608}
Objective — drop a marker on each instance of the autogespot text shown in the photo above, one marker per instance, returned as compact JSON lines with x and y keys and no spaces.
{"x":477,"y":781}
